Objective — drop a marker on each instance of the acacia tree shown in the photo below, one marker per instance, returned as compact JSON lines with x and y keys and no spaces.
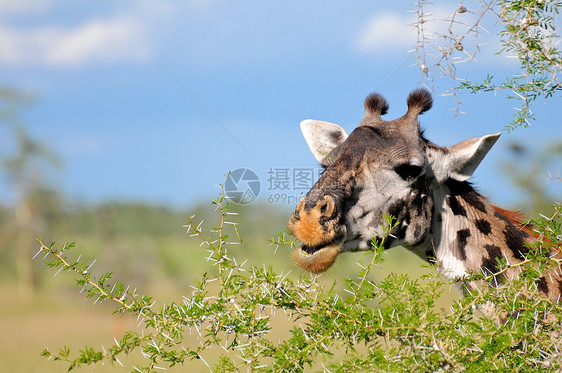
{"x":22,"y":159}
{"x":528,"y":34}
{"x":528,"y":173}
{"x":392,"y":325}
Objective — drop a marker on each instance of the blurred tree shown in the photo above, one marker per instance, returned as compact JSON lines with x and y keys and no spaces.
{"x":22,"y":160}
{"x":533,"y":171}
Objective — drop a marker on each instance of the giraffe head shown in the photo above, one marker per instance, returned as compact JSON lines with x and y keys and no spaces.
{"x":381,"y":168}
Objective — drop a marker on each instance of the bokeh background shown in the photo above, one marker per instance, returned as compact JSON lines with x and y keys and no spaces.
{"x":119,"y":119}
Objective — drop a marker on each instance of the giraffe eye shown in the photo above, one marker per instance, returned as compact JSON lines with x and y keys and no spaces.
{"x":408,"y":171}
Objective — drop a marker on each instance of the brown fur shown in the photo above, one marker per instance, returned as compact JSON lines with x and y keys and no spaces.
{"x":306,"y":224}
{"x":376,"y":104}
{"x":317,"y":262}
{"x":515,"y":217}
{"x":420,"y":101}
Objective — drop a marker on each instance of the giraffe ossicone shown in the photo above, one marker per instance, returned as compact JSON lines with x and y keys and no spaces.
{"x":388,"y":168}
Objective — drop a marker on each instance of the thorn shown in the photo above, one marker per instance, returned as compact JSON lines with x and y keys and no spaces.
{"x":61,"y":268}
{"x":87,"y":269}
{"x":40,"y":249}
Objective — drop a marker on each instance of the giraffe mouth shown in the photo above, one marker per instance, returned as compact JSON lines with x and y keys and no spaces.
{"x":316,"y":259}
{"x":310,"y":250}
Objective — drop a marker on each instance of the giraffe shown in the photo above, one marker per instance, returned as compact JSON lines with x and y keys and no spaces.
{"x":388,"y":167}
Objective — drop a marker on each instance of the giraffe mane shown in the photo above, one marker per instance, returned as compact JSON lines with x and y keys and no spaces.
{"x":516,"y":217}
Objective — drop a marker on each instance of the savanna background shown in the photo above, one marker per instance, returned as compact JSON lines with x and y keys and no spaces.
{"x":119,"y":120}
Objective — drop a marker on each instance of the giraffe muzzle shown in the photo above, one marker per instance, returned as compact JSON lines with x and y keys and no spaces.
{"x":317,"y":228}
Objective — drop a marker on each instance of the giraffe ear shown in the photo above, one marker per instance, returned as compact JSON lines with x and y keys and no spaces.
{"x":461,"y":160}
{"x":322,"y":138}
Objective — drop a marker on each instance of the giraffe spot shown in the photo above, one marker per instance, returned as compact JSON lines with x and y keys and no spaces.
{"x":474,"y":200}
{"x":542,"y":285}
{"x":494,"y":251}
{"x":387,"y":243}
{"x":418,"y":201}
{"x":401,"y":233}
{"x":490,"y":265}
{"x":374,"y":222}
{"x":430,"y":255}
{"x":408,"y":218}
{"x":458,"y":187}
{"x":455,"y":207}
{"x":500,"y":216}
{"x":400,"y":211}
{"x":397,"y":209}
{"x":515,"y":241}
{"x":418,"y":230}
{"x":466,"y":192}
{"x":462,"y":240}
{"x":483,"y":226}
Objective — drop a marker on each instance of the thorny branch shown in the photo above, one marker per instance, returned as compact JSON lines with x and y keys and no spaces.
{"x":389,"y":325}
{"x":439,"y":52}
{"x":528,"y":34}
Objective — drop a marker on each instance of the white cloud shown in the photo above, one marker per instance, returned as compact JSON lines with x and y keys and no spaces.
{"x":397,"y":31}
{"x":390,"y":32}
{"x":19,"y":6}
{"x":10,"y":46}
{"x":383,"y":32}
{"x":95,"y":41}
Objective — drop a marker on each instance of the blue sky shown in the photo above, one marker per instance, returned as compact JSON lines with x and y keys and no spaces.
{"x":156,"y":101}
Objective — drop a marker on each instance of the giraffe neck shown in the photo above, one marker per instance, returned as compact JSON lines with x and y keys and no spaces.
{"x":469,"y":234}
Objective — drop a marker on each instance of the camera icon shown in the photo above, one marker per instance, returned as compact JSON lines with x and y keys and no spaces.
{"x":242,"y":186}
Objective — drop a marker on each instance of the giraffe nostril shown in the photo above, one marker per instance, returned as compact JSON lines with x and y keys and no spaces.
{"x":327,"y":206}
